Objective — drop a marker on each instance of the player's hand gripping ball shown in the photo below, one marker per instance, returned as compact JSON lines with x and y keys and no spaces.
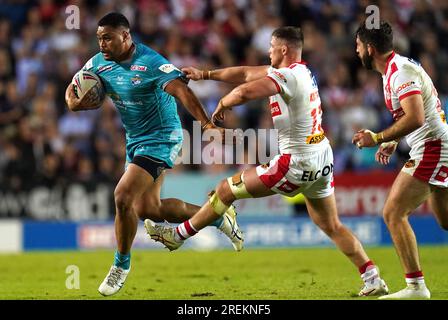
{"x":89,"y":88}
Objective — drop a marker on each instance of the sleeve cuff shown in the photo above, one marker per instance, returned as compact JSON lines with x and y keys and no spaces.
{"x":410,"y":93}
{"x":279,"y":90}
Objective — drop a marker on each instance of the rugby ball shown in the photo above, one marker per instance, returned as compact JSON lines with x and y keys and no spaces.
{"x":89,"y":88}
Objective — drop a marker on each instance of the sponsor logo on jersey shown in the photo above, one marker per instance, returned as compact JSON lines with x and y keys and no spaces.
{"x":136,"y":80}
{"x":117,"y":100}
{"x":279,"y":75}
{"x":135,"y":67}
{"x":275,"y":109}
{"x":167,"y":68}
{"x":120,"y":80}
{"x":404,"y":86}
{"x":132,"y":102}
{"x":315,"y":138}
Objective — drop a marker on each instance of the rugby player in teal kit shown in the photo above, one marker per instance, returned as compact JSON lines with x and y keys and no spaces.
{"x":143,"y":84}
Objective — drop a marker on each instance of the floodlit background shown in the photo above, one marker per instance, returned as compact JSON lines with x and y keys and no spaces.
{"x":58,"y":169}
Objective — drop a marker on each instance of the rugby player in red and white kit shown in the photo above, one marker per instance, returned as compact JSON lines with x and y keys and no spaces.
{"x":305,"y":162}
{"x":412,"y":99}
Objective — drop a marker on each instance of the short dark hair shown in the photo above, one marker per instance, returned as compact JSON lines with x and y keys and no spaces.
{"x":114,"y":20}
{"x":292,"y":35}
{"x":381,"y":38}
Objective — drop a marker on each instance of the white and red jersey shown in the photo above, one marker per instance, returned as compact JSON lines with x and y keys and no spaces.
{"x":404,"y":77}
{"x":296,"y":110}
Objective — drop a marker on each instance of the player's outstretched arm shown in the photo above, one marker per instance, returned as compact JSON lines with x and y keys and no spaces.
{"x":73,"y":102}
{"x":261,"y":88}
{"x":186,"y":96}
{"x":235,"y":75}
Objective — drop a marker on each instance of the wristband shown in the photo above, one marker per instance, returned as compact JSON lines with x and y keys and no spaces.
{"x":379,"y":138}
{"x":376,"y":137}
{"x":208,"y":75}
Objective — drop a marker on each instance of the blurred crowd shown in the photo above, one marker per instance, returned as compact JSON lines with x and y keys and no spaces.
{"x":41,"y":141}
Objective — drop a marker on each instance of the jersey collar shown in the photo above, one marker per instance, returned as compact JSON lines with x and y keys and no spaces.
{"x":292,"y":65}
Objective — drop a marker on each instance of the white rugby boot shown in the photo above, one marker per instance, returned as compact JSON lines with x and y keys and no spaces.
{"x":114,"y":281}
{"x":230,"y":228}
{"x":373,"y":284}
{"x":412,"y":291}
{"x":164,"y":234}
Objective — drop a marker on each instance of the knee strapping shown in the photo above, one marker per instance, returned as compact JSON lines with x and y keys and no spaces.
{"x":238,"y":187}
{"x":216,"y":203}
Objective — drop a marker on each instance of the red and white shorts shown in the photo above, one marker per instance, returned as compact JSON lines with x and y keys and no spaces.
{"x":429,"y":162}
{"x":290,"y":174}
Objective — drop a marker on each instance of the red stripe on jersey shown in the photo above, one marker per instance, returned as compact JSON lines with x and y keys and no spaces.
{"x":410,"y":93}
{"x":431,"y":157}
{"x":388,"y":61}
{"x":393,"y":69}
{"x":277,"y":172}
{"x":276,"y":84}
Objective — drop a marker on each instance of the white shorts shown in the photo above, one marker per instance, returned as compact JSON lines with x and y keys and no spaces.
{"x":429,"y":162}
{"x":310,"y":174}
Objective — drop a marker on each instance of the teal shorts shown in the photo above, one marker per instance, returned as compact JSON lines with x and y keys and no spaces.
{"x":163,"y":147}
{"x":166,"y":152}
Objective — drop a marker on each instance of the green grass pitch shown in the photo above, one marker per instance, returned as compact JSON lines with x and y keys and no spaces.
{"x":262,"y":274}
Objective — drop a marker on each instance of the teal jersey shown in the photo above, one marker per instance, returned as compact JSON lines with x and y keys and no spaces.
{"x":148,"y":113}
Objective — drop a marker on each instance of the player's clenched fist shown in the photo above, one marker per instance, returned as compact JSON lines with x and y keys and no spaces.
{"x":193,"y":73}
{"x":365,"y":138}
